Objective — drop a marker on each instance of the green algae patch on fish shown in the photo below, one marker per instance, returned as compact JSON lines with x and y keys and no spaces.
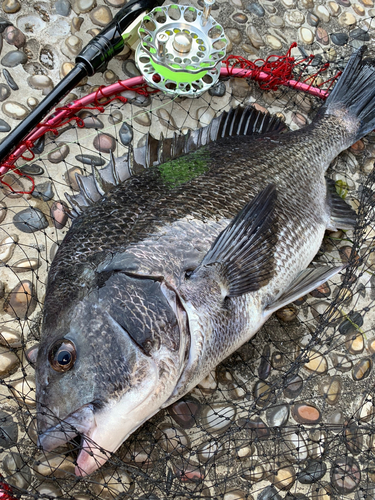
{"x":184,"y":169}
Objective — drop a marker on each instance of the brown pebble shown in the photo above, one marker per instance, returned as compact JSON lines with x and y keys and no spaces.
{"x":14,"y":36}
{"x":11,"y":6}
{"x":284,"y":478}
{"x":322,"y":36}
{"x":287,"y":313}
{"x":59,"y":153}
{"x":331,"y":389}
{"x":316,"y":362}
{"x":59,"y":214}
{"x":21,"y":301}
{"x":70,"y":177}
{"x":304,"y":413}
{"x":321,"y":291}
{"x":362,"y":369}
{"x":262,"y":393}
{"x":105,"y":143}
{"x":354,"y":343}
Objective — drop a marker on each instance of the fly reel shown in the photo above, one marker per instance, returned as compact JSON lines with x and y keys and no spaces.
{"x":181,"y":49}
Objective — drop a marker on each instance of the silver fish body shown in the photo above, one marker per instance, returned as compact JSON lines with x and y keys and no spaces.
{"x":163,"y":278}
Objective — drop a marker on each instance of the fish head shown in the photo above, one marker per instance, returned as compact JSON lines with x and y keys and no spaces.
{"x":108,"y":364}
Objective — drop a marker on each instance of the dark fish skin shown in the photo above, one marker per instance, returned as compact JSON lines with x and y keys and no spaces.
{"x":238,"y":168}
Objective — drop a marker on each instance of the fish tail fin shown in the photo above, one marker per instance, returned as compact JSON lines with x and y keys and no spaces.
{"x":353,"y":97}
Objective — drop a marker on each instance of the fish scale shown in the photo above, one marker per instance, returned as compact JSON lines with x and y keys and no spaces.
{"x":183,"y":263}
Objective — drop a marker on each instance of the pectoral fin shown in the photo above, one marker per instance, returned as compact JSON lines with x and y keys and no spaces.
{"x":242,"y":254}
{"x":342,"y":215}
{"x":306,"y":281}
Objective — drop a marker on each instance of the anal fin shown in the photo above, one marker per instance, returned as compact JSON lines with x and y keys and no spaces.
{"x":342,"y":215}
{"x":306,"y":282}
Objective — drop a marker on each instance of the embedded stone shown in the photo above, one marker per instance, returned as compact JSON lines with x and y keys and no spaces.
{"x":274,"y":42}
{"x":304,"y":413}
{"x":336,"y":421}
{"x":362,"y":369}
{"x":9,"y":79}
{"x":115,"y":117}
{"x":14,"y":36}
{"x":93,"y":122}
{"x":43,"y":191}
{"x":296,"y":445}
{"x":32,"y":103}
{"x":287,"y":313}
{"x":306,"y":36}
{"x":40,"y":82}
{"x":235,"y":495}
{"x":59,"y":214}
{"x":7,"y":246}
{"x":360,"y":34}
{"x":331,"y":389}
{"x":27,"y":264}
{"x":354,"y":343}
{"x":185,"y":412}
{"x":3,"y":211}
{"x":10,"y":337}
{"x":312,"y":20}
{"x":74,"y":44}
{"x":14,"y":58}
{"x":142,"y":118}
{"x":277,"y":416}
{"x":352,"y":324}
{"x":54,"y":465}
{"x":208,"y":451}
{"x":130,"y":69}
{"x":59,"y":153}
{"x":316,"y":363}
{"x":256,"y":9}
{"x":313,"y":472}
{"x":322,"y":12}
{"x":4,"y":92}
{"x":62,"y":7}
{"x":126,"y":134}
{"x":8,"y":431}
{"x":9,"y":362}
{"x":322,"y":291}
{"x":341,"y":362}
{"x":358,"y":9}
{"x":12,"y":186}
{"x":217,"y":90}
{"x":31,"y":169}
{"x":24,"y":391}
{"x":253,"y":471}
{"x":294,"y":18}
{"x":18,"y":473}
{"x":262,"y":393}
{"x":217,"y":417}
{"x":322,"y":36}
{"x":264,"y":368}
{"x":284,"y":478}
{"x":39,"y":144}
{"x":172,"y":439}
{"x":254,"y":37}
{"x":293,"y":386}
{"x":105,"y":143}
{"x":112,"y":484}
{"x":269,"y":493}
{"x":70,"y":177}
{"x":347,"y":19}
{"x":353,"y":438}
{"x":240,"y":18}
{"x":339,"y":38}
{"x":345,"y":475}
{"x":256,"y":428}
{"x":15,"y":110}
{"x":334,"y":9}
{"x":101,"y":15}
{"x":30,"y":220}
{"x":22,"y":300}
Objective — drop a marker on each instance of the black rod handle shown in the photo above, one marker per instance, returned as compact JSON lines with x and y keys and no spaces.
{"x":36,"y":116}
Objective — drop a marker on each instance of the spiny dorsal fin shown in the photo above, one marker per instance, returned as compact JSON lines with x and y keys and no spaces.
{"x":342,"y":214}
{"x":235,"y":122}
{"x":242,"y":254}
{"x":306,"y":282}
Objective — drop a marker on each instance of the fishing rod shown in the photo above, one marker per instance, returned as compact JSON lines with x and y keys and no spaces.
{"x":92,"y":59}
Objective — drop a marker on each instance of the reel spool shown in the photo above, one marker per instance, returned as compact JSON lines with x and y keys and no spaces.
{"x":181,"y":49}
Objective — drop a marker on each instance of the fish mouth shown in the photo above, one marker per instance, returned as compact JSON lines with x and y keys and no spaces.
{"x":82,"y":423}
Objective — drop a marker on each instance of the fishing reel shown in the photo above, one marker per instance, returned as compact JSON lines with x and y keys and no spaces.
{"x":181,"y":49}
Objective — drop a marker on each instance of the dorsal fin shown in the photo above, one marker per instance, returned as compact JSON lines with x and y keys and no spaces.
{"x":235,"y":122}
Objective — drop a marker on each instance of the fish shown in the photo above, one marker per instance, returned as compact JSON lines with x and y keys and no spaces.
{"x":165,"y":273}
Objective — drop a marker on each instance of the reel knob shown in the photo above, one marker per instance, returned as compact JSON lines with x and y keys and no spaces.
{"x":181,"y":49}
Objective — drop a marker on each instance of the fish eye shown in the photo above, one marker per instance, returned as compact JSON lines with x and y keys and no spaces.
{"x":62,"y":355}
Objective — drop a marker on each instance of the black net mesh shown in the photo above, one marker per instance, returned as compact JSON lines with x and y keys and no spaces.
{"x":289,"y":415}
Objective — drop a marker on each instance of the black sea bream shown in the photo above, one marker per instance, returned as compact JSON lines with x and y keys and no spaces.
{"x":171,"y":271}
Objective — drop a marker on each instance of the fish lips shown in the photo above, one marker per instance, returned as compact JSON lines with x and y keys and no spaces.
{"x":81,"y":421}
